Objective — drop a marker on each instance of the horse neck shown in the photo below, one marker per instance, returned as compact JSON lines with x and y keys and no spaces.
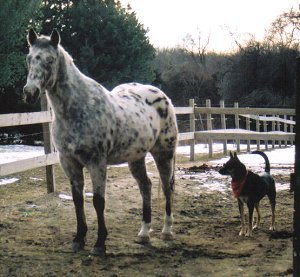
{"x":68,"y":88}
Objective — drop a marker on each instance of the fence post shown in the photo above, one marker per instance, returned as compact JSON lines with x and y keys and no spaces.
{"x":273,"y":129}
{"x":296,"y":237}
{"x":248,"y":128}
{"x":223,"y":126}
{"x":192,"y":129}
{"x":278,"y":129}
{"x":209,"y":127}
{"x":265,"y":124}
{"x":237,"y":126}
{"x":257,"y":130}
{"x":48,"y":147}
{"x":291,"y":129}
{"x":285,"y":129}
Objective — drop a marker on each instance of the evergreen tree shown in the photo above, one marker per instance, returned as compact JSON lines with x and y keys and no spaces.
{"x":105,"y":40}
{"x":15,"y":16}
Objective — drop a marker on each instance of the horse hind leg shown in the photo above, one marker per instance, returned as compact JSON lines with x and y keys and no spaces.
{"x":138,"y":170}
{"x":165,"y":163}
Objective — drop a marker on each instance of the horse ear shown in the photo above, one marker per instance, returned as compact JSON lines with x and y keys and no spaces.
{"x":235,"y":155}
{"x":55,"y":38}
{"x":31,"y":37}
{"x":231,"y":156}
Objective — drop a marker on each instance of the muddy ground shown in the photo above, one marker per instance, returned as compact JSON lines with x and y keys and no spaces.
{"x":36,"y":230}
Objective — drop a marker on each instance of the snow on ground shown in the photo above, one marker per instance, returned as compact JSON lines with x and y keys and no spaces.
{"x":282,"y":163}
{"x":11,"y":153}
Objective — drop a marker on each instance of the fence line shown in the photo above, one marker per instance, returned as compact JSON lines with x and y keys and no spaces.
{"x":209,"y":135}
{"x":281,"y":127}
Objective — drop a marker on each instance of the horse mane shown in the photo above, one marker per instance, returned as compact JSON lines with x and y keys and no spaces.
{"x":68,"y":58}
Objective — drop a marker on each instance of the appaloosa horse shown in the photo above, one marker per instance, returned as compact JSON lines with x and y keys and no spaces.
{"x":94,"y":128}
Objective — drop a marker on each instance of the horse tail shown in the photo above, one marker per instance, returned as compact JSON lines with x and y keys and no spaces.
{"x":267,"y":162}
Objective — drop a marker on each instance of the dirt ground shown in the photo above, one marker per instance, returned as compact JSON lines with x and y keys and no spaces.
{"x":36,"y":230}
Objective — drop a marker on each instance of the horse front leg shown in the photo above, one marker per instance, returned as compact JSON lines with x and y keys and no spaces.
{"x":98,"y":176}
{"x":138,"y":170}
{"x":74,"y":172}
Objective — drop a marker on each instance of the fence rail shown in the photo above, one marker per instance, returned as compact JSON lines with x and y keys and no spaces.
{"x":258,"y":115}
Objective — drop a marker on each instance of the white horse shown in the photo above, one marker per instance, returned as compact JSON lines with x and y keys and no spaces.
{"x":93,"y":127}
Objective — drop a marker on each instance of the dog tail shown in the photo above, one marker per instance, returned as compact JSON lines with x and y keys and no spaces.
{"x":267,"y":168}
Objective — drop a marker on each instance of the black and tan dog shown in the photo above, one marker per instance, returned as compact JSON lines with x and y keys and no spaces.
{"x":250,"y":188}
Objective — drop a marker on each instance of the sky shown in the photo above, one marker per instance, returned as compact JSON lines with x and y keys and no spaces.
{"x":169,"y":21}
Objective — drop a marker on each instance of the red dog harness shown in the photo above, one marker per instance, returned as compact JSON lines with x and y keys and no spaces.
{"x":237,"y":186}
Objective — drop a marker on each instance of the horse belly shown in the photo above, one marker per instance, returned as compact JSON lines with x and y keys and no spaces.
{"x":133,"y":144}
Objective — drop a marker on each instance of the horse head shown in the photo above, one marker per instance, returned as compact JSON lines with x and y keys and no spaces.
{"x":43,"y":63}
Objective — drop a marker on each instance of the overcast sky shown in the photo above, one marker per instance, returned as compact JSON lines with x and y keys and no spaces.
{"x":169,"y":21}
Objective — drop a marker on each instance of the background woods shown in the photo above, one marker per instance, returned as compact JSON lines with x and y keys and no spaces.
{"x":109,"y":44}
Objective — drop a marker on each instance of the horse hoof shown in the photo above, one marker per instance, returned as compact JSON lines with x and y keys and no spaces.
{"x":167,"y":236}
{"x":77,"y":246}
{"x":99,"y":252}
{"x":143,"y":239}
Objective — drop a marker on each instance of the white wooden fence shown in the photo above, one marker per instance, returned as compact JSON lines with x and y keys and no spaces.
{"x":280,"y":122}
{"x":282,"y":131}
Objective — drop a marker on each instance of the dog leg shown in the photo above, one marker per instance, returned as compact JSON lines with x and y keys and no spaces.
{"x":250,"y":227}
{"x":258,"y":216}
{"x":241,"y":209}
{"x":273,"y":203}
{"x":272,"y":227}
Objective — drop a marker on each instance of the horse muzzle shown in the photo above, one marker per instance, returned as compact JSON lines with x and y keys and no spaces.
{"x":31,"y":93}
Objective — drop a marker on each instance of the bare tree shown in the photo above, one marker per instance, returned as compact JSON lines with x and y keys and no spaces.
{"x":196,"y":48}
{"x":284,"y":31}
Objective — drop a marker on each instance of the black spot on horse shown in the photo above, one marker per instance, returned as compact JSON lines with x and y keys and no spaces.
{"x":154,"y":132}
{"x":163,"y":113}
{"x":141,"y":150}
{"x":154,"y":90}
{"x":108,"y":145}
{"x":125,"y":97}
{"x":86,"y":154}
{"x":135,"y":96}
{"x":155,"y":101}
{"x":100,"y":147}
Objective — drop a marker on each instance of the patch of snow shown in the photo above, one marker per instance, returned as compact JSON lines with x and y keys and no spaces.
{"x":35,"y":179}
{"x":11,"y":153}
{"x":7,"y":181}
{"x":282,"y":157}
{"x":281,"y":161}
{"x":65,"y":196}
{"x":69,"y":197}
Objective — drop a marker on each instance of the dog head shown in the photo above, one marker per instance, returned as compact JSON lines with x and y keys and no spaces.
{"x":232,"y":166}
